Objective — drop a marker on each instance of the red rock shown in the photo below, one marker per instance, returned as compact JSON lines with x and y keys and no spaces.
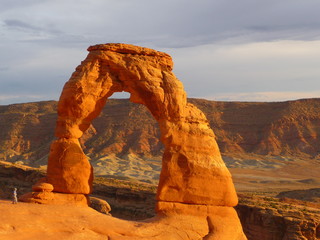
{"x":100,"y":205}
{"x":42,"y":187}
{"x":53,"y":198}
{"x":69,"y":170}
{"x":191,"y":157}
{"x":193,"y":178}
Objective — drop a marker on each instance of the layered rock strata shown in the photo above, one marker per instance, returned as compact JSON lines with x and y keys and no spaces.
{"x":194,"y":180}
{"x":42,"y":193}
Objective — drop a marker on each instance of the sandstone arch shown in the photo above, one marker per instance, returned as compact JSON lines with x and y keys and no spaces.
{"x":194,"y":179}
{"x":191,"y":156}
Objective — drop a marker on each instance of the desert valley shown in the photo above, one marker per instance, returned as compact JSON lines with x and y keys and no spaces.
{"x":271,"y":150}
{"x":267,"y":146}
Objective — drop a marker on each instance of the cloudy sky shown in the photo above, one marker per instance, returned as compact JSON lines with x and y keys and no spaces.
{"x":236,"y":50}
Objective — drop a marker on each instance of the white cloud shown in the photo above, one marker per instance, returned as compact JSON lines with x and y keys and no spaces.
{"x":264,"y":96}
{"x":282,"y":66}
{"x":8,"y":99}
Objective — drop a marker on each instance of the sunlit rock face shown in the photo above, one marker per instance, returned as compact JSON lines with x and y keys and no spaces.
{"x":194,"y":180}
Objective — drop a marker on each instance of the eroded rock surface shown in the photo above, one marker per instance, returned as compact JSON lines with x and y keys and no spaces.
{"x":194,"y":180}
{"x":261,"y":217}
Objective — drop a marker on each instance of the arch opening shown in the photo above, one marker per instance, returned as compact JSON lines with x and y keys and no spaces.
{"x":120,"y":95}
{"x":123,"y":142}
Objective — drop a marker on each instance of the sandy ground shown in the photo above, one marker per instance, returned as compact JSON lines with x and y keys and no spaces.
{"x":25,"y":221}
{"x":280,"y":176}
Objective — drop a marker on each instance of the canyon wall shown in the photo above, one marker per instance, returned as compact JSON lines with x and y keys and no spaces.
{"x":281,"y":128}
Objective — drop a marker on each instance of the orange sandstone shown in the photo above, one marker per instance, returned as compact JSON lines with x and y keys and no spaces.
{"x":194,"y":180}
{"x":69,"y":170}
{"x":191,"y":156}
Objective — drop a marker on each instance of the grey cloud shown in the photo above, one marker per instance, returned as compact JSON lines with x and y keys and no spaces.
{"x":16,"y":4}
{"x":4,"y":68}
{"x":42,"y":84}
{"x":39,"y":25}
{"x":23,"y":25}
{"x":190,"y":23}
{"x":14,"y":23}
{"x":176,"y":23}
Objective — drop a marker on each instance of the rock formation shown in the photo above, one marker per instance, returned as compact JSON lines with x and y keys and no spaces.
{"x":261,"y":217}
{"x":42,"y":192}
{"x":100,"y":205}
{"x":194,"y":185}
{"x":288,"y":129}
{"x":270,"y":218}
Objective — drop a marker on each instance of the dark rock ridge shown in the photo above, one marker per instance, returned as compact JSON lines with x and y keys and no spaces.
{"x":310,"y":195}
{"x":281,"y":128}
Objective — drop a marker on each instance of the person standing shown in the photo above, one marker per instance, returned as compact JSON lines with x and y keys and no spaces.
{"x":14,"y":196}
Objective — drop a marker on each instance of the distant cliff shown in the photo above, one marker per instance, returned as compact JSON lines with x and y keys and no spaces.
{"x":289,"y":128}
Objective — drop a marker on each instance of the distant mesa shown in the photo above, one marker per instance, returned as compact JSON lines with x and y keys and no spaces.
{"x":195,"y":185}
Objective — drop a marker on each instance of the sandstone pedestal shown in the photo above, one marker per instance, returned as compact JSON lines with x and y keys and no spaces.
{"x":42,"y":193}
{"x":54,"y":198}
